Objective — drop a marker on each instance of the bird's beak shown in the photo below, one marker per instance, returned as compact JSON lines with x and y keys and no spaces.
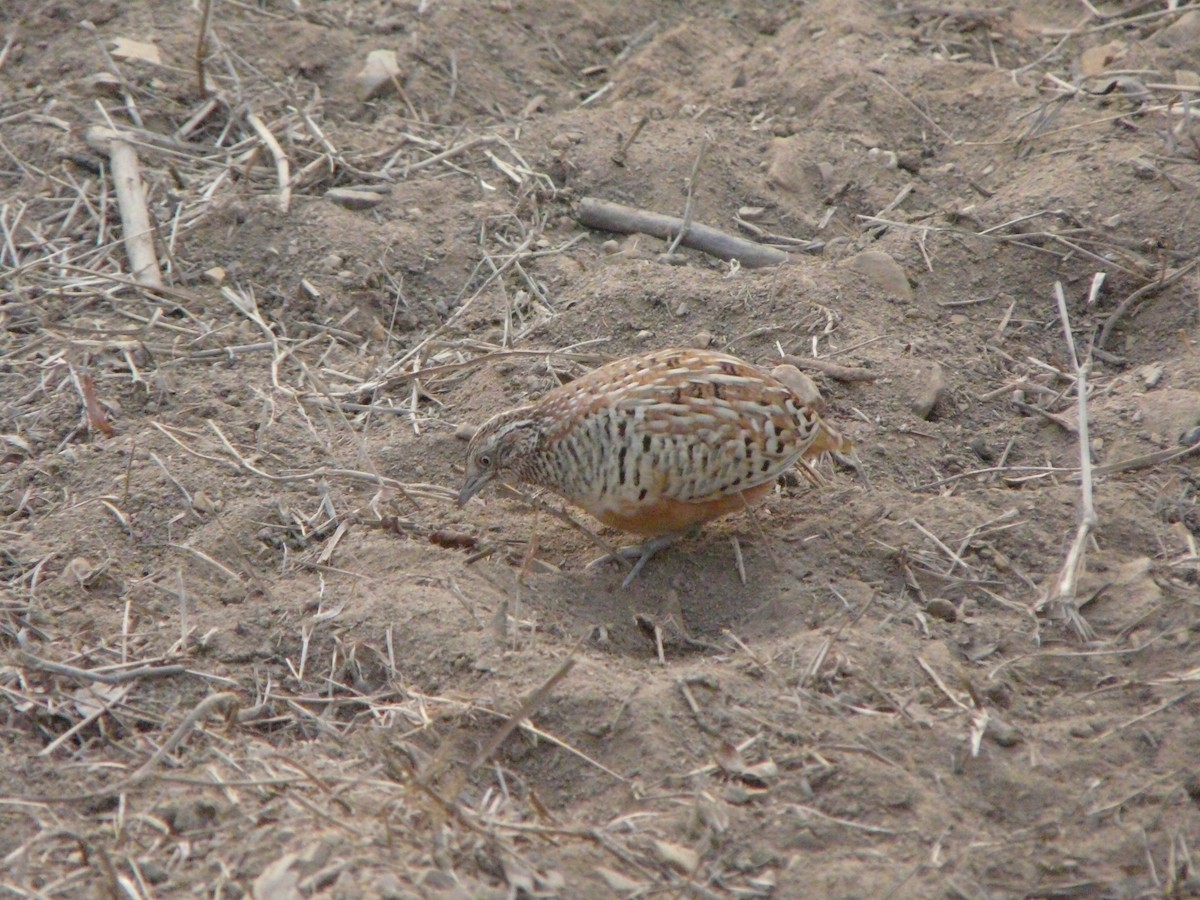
{"x":850,"y":459}
{"x":472,"y":486}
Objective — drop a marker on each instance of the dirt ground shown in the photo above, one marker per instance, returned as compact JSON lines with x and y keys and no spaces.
{"x":249,"y":646}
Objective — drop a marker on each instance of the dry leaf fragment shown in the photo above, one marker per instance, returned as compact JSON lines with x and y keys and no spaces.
{"x":618,"y":883}
{"x":1095,"y":60}
{"x":681,"y":859}
{"x":519,"y":876}
{"x":278,"y":880}
{"x":765,"y":881}
{"x":93,"y":699}
{"x":731,"y":761}
{"x":379,"y":72}
{"x":104,"y":83}
{"x":128,"y":48}
{"x":1134,"y":89}
{"x":96,"y":416}
{"x":18,"y":442}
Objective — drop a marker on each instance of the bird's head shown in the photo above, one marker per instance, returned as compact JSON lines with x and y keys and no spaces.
{"x":503,"y":446}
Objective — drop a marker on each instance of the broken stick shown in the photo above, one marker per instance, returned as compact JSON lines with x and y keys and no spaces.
{"x":608,"y":216}
{"x":138,"y":234}
{"x":833,"y":370}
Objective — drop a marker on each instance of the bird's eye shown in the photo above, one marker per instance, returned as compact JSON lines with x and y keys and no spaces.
{"x":485,"y":460}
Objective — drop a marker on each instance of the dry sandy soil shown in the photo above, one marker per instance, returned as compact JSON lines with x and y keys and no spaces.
{"x":250,"y":646}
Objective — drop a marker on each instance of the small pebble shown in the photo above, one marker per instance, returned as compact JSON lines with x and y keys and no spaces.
{"x":930,"y":391}
{"x":152,"y":871}
{"x":353,"y":199}
{"x":379,"y":73}
{"x":942,"y":609}
{"x":77,"y":572}
{"x":981,"y":448}
{"x":828,"y":175}
{"x":104,"y":83}
{"x":1144,"y":169}
{"x":389,"y":887}
{"x":565,"y":139}
{"x":389,"y":25}
{"x":887,"y":158}
{"x":1151,"y":375}
{"x":610,"y":247}
{"x":737,"y":795}
{"x":1002,"y":733}
{"x":885,"y":272}
{"x":464,"y":432}
{"x":1183,"y":32}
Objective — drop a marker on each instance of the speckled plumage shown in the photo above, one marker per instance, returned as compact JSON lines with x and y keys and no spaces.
{"x":655,"y":443}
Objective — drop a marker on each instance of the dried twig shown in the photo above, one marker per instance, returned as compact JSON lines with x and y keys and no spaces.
{"x":117,"y":677}
{"x":1146,"y":290}
{"x":837,"y":372}
{"x":131,"y":200}
{"x":618,"y":158}
{"x":615,"y":217}
{"x":689,"y":203}
{"x":225,"y":702}
{"x":535,"y":700}
{"x":1063,"y":594}
{"x":465,"y":146}
{"x":282,"y":168}
{"x":202,"y":47}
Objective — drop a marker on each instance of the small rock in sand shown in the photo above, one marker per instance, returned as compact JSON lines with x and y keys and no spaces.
{"x":929,"y":391}
{"x":884,"y":271}
{"x":378,"y":74}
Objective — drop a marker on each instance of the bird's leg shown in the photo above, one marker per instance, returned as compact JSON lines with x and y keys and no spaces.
{"x":642,"y":553}
{"x":766,"y":541}
{"x":645,"y":552}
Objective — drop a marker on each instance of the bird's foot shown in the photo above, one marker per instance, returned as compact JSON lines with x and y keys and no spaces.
{"x":642,"y":553}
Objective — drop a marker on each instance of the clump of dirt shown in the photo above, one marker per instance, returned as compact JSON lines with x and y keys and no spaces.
{"x":250,"y":645}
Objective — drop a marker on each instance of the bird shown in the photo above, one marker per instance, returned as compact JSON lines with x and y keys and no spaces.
{"x":655,"y":444}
